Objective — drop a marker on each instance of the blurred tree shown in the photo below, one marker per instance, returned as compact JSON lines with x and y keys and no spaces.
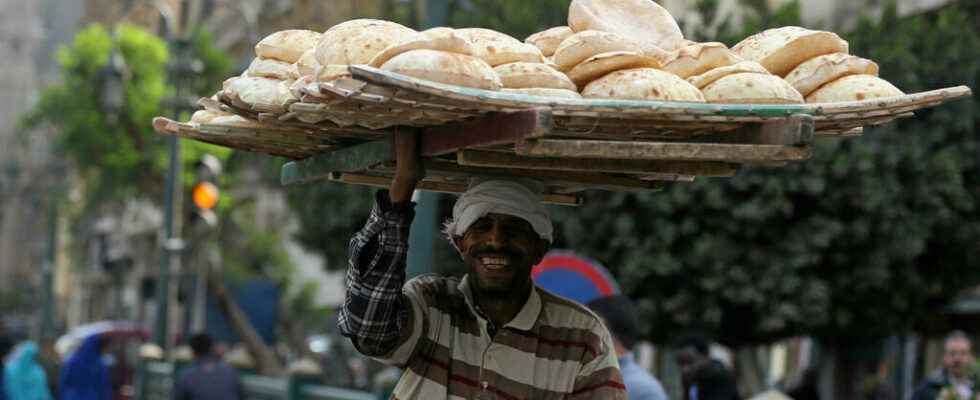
{"x":869,"y":237}
{"x":120,"y":156}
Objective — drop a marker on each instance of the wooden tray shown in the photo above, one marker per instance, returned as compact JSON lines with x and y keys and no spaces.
{"x":571,"y":145}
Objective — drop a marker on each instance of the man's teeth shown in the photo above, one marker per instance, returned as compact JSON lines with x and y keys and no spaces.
{"x":494,"y":262}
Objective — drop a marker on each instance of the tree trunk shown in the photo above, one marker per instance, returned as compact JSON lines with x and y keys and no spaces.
{"x":265,"y":359}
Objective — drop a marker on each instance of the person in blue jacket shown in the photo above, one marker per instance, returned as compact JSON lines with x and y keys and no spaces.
{"x":23,"y":377}
{"x":85,"y":376}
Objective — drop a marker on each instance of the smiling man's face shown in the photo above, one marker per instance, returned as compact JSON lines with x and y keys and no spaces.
{"x":500,"y":251}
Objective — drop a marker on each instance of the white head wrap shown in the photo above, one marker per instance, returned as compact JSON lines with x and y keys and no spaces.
{"x":521,"y":199}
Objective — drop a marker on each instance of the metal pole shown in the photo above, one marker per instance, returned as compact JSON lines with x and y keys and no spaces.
{"x":170,"y":259}
{"x":47,"y":274}
{"x":424,"y":227}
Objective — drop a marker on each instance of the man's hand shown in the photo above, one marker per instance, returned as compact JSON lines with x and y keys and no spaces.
{"x":408,"y":166}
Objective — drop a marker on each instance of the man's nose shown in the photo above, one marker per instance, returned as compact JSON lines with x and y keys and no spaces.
{"x":495,"y":237}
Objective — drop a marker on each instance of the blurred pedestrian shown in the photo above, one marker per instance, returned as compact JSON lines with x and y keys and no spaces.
{"x":24,"y":378}
{"x":587,"y":282}
{"x":703,"y":378}
{"x":208,"y":378}
{"x":619,"y":315}
{"x":957,"y":379}
{"x":85,"y":375}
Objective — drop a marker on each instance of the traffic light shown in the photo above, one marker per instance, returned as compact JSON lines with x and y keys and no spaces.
{"x":205,"y":193}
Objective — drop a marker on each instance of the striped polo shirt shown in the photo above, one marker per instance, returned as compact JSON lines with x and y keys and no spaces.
{"x":553,"y":348}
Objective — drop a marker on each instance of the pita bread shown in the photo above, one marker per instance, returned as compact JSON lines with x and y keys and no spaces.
{"x":544,"y":92}
{"x":260,"y":91}
{"x":233,"y":120}
{"x":443,"y":39}
{"x":445,"y":67}
{"x":782,"y":49}
{"x":437,"y":32}
{"x":818,"y":71}
{"x":359,"y":43}
{"x":547,"y":41}
{"x":272,"y":68}
{"x":640,"y":20}
{"x":699,"y":58}
{"x":532,"y":75}
{"x":751,"y":88}
{"x":643,"y":84}
{"x":297,"y":87}
{"x":854,"y":88}
{"x":206,"y":116}
{"x":330,"y":73}
{"x":707,"y":78}
{"x":601,"y":64}
{"x":306,"y":65}
{"x":287,"y":45}
{"x":497,"y":48}
{"x":583,"y":45}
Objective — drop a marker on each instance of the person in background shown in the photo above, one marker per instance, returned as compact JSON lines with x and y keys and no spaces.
{"x":703,"y":378}
{"x":208,"y":378}
{"x":957,"y":379}
{"x":24,"y":378}
{"x":619,"y":315}
{"x":85,"y":375}
{"x":587,"y":282}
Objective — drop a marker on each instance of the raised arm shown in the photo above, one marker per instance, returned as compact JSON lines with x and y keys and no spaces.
{"x":375,"y":313}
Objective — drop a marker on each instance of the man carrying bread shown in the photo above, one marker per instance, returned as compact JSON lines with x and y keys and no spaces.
{"x":492,"y":334}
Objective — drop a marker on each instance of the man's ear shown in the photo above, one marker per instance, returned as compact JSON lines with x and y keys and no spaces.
{"x":458,"y":244}
{"x":542,"y":248}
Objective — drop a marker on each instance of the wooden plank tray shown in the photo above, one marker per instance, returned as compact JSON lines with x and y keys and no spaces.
{"x":341,"y":131}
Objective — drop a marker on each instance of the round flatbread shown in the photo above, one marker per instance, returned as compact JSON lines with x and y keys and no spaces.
{"x":287,"y":45}
{"x":330,"y":73}
{"x":359,"y":43}
{"x":583,"y":45}
{"x":532,"y":75}
{"x":854,"y":88}
{"x":751,"y":88}
{"x":272,"y":68}
{"x":601,"y":64}
{"x":307,"y":64}
{"x":641,"y":20}
{"x":233,"y":120}
{"x":547,"y":41}
{"x":206,"y":116}
{"x":707,"y":78}
{"x":497,"y":48}
{"x":260,"y":92}
{"x":442,"y":39}
{"x":445,"y":67}
{"x":780,"y":50}
{"x":819,"y":71}
{"x":643,"y":84}
{"x":699,"y":58}
{"x":544,"y":92}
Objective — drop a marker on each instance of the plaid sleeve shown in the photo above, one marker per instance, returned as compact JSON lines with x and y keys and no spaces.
{"x":375,"y":311}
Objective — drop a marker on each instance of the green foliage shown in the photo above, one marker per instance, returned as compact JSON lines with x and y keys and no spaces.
{"x":867,"y":238}
{"x":329,"y":215}
{"x":516,"y":18}
{"x":120,"y":156}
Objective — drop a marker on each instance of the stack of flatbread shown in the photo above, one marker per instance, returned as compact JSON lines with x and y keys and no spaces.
{"x":816,"y":64}
{"x":615,"y":49}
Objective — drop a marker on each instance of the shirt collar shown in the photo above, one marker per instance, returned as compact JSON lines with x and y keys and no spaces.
{"x":524,"y":320}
